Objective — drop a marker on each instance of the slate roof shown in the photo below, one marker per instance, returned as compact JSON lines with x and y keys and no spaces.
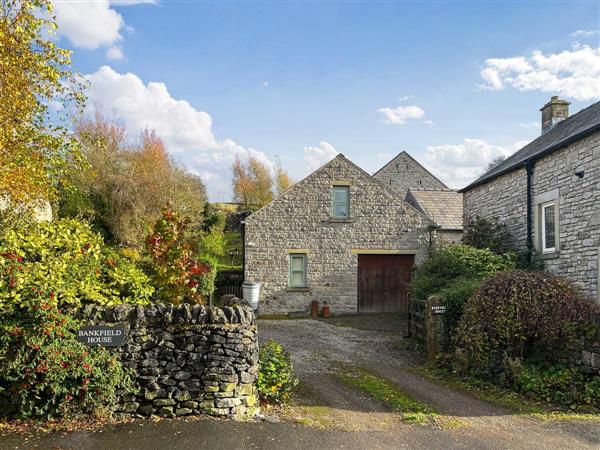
{"x":576,"y":127}
{"x":443,"y":206}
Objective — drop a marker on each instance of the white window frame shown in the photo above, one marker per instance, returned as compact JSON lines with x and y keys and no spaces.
{"x":304,"y":266}
{"x":346,"y":188}
{"x":543,"y":207}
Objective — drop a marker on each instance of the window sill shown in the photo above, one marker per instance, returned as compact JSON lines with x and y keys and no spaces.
{"x":297,"y":289}
{"x":333,"y":220}
{"x":545,"y":256}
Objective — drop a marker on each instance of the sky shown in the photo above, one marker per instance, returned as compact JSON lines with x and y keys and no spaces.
{"x":455,"y":84}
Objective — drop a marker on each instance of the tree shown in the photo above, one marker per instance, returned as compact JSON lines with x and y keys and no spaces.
{"x":282,"y":179}
{"x":253,"y":185}
{"x":262,"y":192}
{"x":494,"y":163}
{"x":125,"y":187}
{"x":242,"y":184}
{"x":36,"y":148}
{"x":487,"y":233}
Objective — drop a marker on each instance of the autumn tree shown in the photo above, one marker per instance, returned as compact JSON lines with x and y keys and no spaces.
{"x":282,"y":179}
{"x":262,"y":188}
{"x":254,"y":186}
{"x":126,"y":185}
{"x":36,"y":148}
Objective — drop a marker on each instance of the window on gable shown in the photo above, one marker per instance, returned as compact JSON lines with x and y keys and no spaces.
{"x":297,"y":270}
{"x":341,"y":202}
{"x":548,"y":223}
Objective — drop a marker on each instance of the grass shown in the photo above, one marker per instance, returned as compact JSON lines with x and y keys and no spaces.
{"x":505,"y":398}
{"x":388,"y":393}
{"x":233,"y":244}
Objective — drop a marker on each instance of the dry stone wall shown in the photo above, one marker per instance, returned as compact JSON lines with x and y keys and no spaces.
{"x":186,"y":359}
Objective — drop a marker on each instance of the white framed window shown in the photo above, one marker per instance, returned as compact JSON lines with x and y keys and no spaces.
{"x":340,"y":205}
{"x":297,"y":277}
{"x":548,"y":225}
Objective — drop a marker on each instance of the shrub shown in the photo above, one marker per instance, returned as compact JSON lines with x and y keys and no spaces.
{"x":67,"y":258}
{"x":455,"y":296}
{"x":558,"y":384}
{"x":177,"y":275}
{"x":45,"y":372}
{"x":487,"y":233}
{"x":447,"y":264}
{"x":276,"y":373}
{"x":513,"y":312}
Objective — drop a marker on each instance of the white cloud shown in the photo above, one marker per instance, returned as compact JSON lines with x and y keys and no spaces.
{"x":585,"y":33}
{"x":315,"y":157}
{"x":571,"y":73}
{"x":460,"y":164}
{"x":132,"y":2}
{"x":89,"y":23}
{"x":401,"y":114}
{"x":384,"y":156}
{"x":114,"y":53}
{"x":92,"y":24}
{"x":405,"y":98}
{"x":186,"y":131}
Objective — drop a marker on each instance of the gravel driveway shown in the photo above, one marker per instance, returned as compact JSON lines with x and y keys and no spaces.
{"x":318,"y":349}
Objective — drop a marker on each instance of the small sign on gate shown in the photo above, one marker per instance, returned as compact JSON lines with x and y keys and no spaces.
{"x":438,"y":309}
{"x":102,"y":335}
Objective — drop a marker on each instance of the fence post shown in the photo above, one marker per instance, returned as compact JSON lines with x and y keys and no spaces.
{"x":434,"y":326}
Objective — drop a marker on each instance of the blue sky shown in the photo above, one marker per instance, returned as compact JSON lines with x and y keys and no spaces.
{"x":453,"y":83}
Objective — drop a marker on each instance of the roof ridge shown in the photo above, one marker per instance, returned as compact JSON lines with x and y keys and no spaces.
{"x":415,"y":161}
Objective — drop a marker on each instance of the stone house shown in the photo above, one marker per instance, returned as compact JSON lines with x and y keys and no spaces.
{"x":339,"y":236}
{"x":548,"y":195}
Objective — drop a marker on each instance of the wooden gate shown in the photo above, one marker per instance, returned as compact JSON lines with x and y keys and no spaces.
{"x":383,"y":282}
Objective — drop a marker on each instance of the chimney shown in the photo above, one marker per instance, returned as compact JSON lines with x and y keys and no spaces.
{"x":556,"y":110}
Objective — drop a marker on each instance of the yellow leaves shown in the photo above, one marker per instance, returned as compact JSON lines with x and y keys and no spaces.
{"x":34,"y":153}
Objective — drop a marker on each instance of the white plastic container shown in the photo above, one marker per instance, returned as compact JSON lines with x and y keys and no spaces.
{"x":251,"y":293}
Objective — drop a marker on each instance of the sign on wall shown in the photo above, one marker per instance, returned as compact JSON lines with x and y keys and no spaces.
{"x":438,"y":309}
{"x":102,"y":335}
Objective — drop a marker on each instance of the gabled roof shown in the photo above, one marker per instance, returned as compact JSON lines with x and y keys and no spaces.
{"x":573,"y":129}
{"x":360,"y":169}
{"x":443,"y":206}
{"x":405,"y":153}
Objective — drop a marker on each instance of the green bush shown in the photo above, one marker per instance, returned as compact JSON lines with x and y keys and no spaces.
{"x":447,"y":264}
{"x":511,"y":314}
{"x":177,"y":274}
{"x":67,"y":258}
{"x":559,"y":385}
{"x":455,"y":296}
{"x":45,"y":372}
{"x":276,"y":373}
{"x":487,"y":233}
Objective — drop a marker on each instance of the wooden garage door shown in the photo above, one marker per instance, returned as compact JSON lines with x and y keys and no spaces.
{"x":383,"y":282}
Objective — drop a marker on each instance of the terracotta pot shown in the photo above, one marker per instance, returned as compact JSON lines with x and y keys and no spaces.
{"x":314,"y":308}
{"x":326,"y":311}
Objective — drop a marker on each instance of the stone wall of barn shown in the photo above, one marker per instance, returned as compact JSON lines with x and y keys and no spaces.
{"x":300,"y":221}
{"x":505,"y":198}
{"x":186,"y":359}
{"x":403,"y":173}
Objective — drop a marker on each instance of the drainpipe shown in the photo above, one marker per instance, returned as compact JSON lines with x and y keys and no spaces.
{"x":243,"y":236}
{"x":529,"y":168}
